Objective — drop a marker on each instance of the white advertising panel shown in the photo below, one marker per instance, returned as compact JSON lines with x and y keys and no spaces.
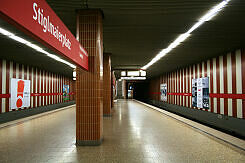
{"x":194,"y":92}
{"x":20,"y":93}
{"x":200,"y":93}
{"x":205,"y":93}
{"x":163,"y":90}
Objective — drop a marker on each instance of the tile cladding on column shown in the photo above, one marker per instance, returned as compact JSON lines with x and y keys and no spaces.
{"x":107,"y":85}
{"x":89,"y":84}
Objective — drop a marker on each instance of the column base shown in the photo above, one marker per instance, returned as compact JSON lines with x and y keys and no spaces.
{"x":89,"y":142}
{"x":107,"y":115}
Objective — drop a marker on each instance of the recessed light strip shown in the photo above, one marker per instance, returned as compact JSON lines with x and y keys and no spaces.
{"x":208,"y":16}
{"x":33,"y":46}
{"x":133,"y":78}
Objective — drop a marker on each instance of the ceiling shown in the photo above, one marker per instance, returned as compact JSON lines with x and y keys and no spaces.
{"x":136,"y":30}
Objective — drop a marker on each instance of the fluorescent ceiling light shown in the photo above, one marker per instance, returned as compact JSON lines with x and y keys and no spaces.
{"x":142,"y":73}
{"x":133,"y":78}
{"x":74,"y":74}
{"x":133,"y":73}
{"x":208,"y":16}
{"x":123,"y":73}
{"x":33,"y":46}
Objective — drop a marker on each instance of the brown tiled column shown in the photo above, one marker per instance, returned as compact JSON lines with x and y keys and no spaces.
{"x":107,"y":84}
{"x":89,"y":85}
{"x":112,"y":91}
{"x":124,"y":87}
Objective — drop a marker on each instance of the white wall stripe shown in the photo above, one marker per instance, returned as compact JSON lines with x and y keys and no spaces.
{"x":61,"y":88}
{"x":36,"y":87}
{"x":203,"y":71}
{"x":208,"y":75}
{"x":43,"y":88}
{"x":10,"y":71}
{"x":3,"y":85}
{"x":55,"y":88}
{"x":27,"y":73}
{"x":23,"y":72}
{"x":190,"y":86}
{"x":17,"y":71}
{"x":198,"y":74}
{"x":180,"y":85}
{"x":57,"y":91}
{"x":40,"y":86}
{"x":47,"y":91}
{"x":175,"y":87}
{"x":229,"y":82}
{"x":239,"y":82}
{"x":32,"y":83}
{"x":171,"y":84}
{"x":221,"y":72}
{"x":183,"y":86}
{"x":214,"y":84}
{"x":60,"y":78}
{"x":52,"y":87}
{"x":49,"y":74}
{"x":187,"y":88}
{"x":194,"y":71}
{"x":198,"y":70}
{"x":10,"y":76}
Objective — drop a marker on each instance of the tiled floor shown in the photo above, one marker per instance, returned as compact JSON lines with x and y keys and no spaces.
{"x":135,"y":133}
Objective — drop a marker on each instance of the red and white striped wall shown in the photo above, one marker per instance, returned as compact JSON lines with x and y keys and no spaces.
{"x":226,"y":84}
{"x":46,"y":87}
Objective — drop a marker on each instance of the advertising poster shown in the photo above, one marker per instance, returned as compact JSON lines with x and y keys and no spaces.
{"x":66,"y":92}
{"x":203,"y":93}
{"x":199,"y":93}
{"x":194,"y":92}
{"x":20,"y":93}
{"x":163,"y":90}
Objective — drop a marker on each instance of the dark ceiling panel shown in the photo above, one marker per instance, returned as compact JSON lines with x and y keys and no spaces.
{"x":136,"y":30}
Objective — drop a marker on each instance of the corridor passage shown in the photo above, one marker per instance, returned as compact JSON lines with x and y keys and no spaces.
{"x":135,"y":133}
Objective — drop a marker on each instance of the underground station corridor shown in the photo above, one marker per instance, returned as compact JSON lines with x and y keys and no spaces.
{"x":122,"y":81}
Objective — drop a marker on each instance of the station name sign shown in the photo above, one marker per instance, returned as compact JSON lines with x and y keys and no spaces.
{"x":48,"y":26}
{"x":36,"y":18}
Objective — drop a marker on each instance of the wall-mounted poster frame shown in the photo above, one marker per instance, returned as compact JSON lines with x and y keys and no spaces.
{"x":163,"y":90}
{"x":200,"y":93}
{"x":66,"y":91}
{"x":20,"y":93}
{"x":194,"y":92}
